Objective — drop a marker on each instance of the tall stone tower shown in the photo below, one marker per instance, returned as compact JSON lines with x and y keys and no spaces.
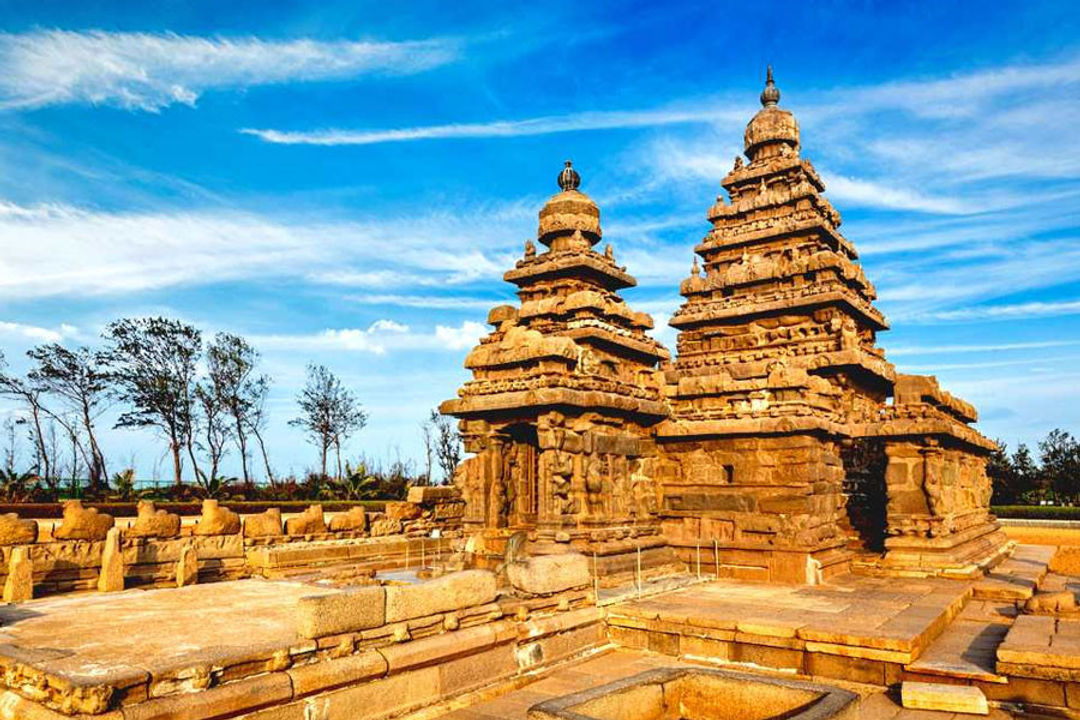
{"x":779,"y":432}
{"x":563,"y":396}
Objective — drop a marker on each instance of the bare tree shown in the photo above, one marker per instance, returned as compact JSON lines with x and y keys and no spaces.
{"x":231,"y":365}
{"x":447,"y":444}
{"x":30,"y":396}
{"x":11,"y":445}
{"x":427,"y":429}
{"x":78,"y":379}
{"x":256,"y":422}
{"x":214,"y":427}
{"x":330,"y":414}
{"x":154,"y":363}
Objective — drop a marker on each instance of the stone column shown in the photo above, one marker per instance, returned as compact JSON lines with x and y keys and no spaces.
{"x":187,"y":567}
{"x":111,"y":578}
{"x":19,"y":586}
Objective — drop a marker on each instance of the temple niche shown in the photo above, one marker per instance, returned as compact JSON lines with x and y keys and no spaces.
{"x":559,"y":412}
{"x":779,"y":445}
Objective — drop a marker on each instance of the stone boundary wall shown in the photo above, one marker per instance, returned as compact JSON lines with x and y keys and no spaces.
{"x":70,"y":557}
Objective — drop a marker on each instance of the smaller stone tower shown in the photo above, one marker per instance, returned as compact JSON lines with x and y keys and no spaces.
{"x":563,"y":395}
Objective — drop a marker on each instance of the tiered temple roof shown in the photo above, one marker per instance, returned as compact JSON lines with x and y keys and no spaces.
{"x":573,"y":342}
{"x":782,"y":322}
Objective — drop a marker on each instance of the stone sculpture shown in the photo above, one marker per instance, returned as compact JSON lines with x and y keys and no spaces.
{"x":217,"y":520}
{"x":309,"y":522}
{"x":16,"y":531}
{"x":151,"y":522}
{"x":264,"y":525}
{"x":81,"y":523}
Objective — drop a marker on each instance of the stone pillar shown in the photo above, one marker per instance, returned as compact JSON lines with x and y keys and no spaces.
{"x":19,"y":586}
{"x":111,"y":578}
{"x":187,"y":567}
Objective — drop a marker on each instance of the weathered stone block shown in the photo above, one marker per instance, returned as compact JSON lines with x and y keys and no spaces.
{"x":324,"y":675}
{"x":224,"y":701}
{"x":402,"y":511}
{"x":546,"y":574}
{"x":946,"y":698}
{"x":450,"y":592}
{"x":355,"y":519}
{"x":355,"y":609}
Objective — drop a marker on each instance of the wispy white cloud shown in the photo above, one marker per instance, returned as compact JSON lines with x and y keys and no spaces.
{"x":985,"y":348}
{"x":429,"y":302}
{"x":378,"y":338}
{"x":149,"y":71}
{"x":1014,"y":311}
{"x":593,"y":120}
{"x":35,"y":333}
{"x":58,"y":249}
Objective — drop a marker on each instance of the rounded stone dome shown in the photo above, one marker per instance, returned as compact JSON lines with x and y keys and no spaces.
{"x":772,"y":125}
{"x":569,"y":211}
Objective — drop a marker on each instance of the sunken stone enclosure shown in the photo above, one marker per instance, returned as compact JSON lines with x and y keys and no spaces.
{"x":779,"y":444}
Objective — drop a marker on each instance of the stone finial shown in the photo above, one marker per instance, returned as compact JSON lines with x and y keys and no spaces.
{"x":530,"y":249}
{"x":19,"y":586}
{"x":111,"y":578}
{"x":770,"y":96}
{"x":694,"y":269}
{"x":569,"y":179}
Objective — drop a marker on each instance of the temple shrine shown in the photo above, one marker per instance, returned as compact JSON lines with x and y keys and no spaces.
{"x":779,"y":444}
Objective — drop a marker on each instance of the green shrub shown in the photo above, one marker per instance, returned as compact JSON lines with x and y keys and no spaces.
{"x":1037,"y":512}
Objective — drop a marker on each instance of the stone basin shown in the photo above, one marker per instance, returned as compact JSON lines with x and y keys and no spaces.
{"x":701,"y":694}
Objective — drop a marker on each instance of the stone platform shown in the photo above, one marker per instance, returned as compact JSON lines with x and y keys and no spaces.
{"x":859,"y":628}
{"x":83,"y":651}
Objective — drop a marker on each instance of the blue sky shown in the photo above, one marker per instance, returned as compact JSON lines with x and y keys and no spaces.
{"x":345,"y":182}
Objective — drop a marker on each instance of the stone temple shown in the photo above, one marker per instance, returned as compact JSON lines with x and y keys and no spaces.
{"x":779,"y":444}
{"x":770,"y":523}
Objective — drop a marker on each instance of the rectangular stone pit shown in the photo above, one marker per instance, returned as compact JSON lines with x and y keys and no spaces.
{"x":701,"y":694}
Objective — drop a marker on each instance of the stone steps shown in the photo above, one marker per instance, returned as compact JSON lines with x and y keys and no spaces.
{"x":1018,"y":577}
{"x":965,"y":650}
